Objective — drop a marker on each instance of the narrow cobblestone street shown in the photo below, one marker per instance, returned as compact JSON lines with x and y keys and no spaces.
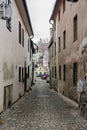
{"x":43,"y":109}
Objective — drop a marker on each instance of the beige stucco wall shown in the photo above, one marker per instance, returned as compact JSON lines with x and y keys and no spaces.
{"x":12,"y":55}
{"x":71,"y":54}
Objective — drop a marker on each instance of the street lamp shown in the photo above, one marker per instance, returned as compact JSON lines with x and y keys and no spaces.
{"x":72,"y":1}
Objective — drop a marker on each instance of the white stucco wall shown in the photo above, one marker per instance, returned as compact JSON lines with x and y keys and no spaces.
{"x":12,"y":55}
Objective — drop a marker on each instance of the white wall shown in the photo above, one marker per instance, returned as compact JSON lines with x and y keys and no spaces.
{"x":12,"y":55}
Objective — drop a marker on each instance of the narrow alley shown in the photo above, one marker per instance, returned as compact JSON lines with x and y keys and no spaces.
{"x":43,"y":109}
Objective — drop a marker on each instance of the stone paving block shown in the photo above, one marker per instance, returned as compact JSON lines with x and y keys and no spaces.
{"x":1,"y":122}
{"x":43,"y":109}
{"x":13,"y":128}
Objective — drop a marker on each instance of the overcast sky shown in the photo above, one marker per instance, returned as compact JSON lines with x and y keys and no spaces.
{"x":40,"y":12}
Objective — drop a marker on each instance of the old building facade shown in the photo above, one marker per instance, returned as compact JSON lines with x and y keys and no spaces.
{"x":53,"y":60}
{"x":70,"y":32}
{"x":15,"y":59}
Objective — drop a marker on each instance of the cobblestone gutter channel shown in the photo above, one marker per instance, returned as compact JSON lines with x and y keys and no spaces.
{"x":43,"y":109}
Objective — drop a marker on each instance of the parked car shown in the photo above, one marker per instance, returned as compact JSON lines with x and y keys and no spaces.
{"x":39,"y":75}
{"x":44,"y":76}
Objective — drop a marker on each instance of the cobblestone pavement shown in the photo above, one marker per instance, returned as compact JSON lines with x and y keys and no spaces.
{"x":43,"y":109}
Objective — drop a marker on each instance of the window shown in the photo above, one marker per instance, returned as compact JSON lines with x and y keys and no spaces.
{"x":19,"y":32}
{"x":64,"y":6}
{"x":59,"y":44}
{"x":55,"y":48}
{"x":22,"y":72}
{"x":75,"y":67}
{"x":19,"y":74}
{"x":64,"y":72}
{"x":40,"y":73}
{"x":64,"y":39}
{"x":52,"y":51}
{"x":28,"y":45}
{"x":52,"y":72}
{"x":30,"y":50}
{"x":28,"y":71}
{"x":22,"y":37}
{"x":75,"y":22}
{"x":8,"y":2}
{"x":59,"y":15}
{"x":60,"y":72}
{"x":55,"y":72}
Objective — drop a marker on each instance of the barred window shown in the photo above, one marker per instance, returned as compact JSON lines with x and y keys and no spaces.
{"x":75,"y":73}
{"x":64,"y":72}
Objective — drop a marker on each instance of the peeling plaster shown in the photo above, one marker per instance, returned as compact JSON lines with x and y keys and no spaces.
{"x":8,"y":71}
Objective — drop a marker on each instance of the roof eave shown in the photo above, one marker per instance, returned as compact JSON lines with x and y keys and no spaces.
{"x":23,"y":10}
{"x":28,"y":16}
{"x":54,"y":10}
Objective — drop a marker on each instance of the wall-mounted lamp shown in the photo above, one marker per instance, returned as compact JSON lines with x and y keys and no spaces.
{"x":5,"y":9}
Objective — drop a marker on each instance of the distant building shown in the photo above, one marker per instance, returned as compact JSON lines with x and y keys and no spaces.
{"x":15,"y":54}
{"x":68,"y":46}
{"x":45,"y":60}
{"x":40,"y":70}
{"x":41,"y":57}
{"x":36,"y":56}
